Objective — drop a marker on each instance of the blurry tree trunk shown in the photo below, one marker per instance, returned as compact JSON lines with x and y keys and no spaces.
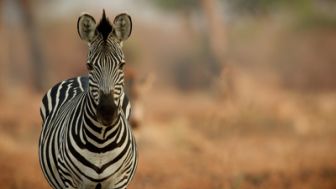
{"x":2,"y":54}
{"x":217,"y":40}
{"x":10,"y":19}
{"x":187,"y":25}
{"x":216,"y":28}
{"x":38,"y":68}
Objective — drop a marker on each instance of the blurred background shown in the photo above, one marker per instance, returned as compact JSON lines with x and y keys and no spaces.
{"x":226,"y":93}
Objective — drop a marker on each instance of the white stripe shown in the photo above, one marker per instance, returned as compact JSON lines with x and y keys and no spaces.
{"x":49,"y":101}
{"x":43,"y":111}
{"x":80,"y":84}
{"x":128,"y":110}
{"x":58,"y":93}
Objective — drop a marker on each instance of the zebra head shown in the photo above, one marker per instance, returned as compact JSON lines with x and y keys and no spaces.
{"x":105,"y":61}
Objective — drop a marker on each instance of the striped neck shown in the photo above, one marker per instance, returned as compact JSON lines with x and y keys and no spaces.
{"x":95,"y":136}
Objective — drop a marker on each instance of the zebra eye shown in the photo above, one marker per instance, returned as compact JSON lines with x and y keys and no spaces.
{"x":89,"y":66}
{"x":122,"y":64}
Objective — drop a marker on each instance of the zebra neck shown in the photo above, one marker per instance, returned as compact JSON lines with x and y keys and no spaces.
{"x":94,"y":132}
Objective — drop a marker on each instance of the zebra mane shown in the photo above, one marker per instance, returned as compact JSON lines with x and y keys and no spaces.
{"x":104,"y":27}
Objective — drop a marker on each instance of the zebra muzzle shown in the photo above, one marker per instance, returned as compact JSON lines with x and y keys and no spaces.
{"x":106,"y":109}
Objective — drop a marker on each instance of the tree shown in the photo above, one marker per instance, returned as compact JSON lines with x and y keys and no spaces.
{"x":215,"y":29}
{"x":22,"y":10}
{"x":33,"y":40}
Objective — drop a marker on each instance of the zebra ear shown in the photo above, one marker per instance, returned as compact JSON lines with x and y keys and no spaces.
{"x":86,"y":27}
{"x":122,"y":25}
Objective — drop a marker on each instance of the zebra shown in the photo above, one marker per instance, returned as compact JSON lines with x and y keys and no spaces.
{"x":86,"y":141}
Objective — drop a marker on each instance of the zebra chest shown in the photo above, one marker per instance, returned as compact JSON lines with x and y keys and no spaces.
{"x":98,"y":168}
{"x":100,"y":165}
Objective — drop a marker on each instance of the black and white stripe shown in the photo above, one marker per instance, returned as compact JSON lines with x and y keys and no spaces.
{"x":75,"y":149}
